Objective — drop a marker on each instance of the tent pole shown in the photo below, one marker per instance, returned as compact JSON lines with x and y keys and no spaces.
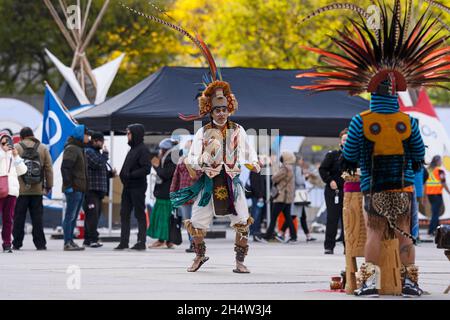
{"x":86,"y":15}
{"x":60,"y":24}
{"x":111,"y":183}
{"x":95,"y":25}
{"x":268,"y":173}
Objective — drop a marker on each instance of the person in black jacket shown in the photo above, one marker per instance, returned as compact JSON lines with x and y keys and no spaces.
{"x":134,"y":179}
{"x":160,"y":217}
{"x":330,"y":171}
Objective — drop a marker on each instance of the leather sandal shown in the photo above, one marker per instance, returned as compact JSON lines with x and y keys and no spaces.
{"x":241,"y":268}
{"x":198,"y":262}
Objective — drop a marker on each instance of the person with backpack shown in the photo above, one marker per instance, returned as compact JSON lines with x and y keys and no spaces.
{"x":36,"y":182}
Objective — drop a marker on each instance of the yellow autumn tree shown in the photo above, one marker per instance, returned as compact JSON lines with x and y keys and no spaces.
{"x":260,"y":33}
{"x":268,"y":33}
{"x":246,"y":33}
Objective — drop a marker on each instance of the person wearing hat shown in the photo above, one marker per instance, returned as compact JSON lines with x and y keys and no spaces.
{"x":11,"y":167}
{"x":98,"y":175}
{"x":134,"y":179}
{"x":33,"y":186}
{"x":384,"y":142}
{"x":219,"y":149}
{"x":164,"y":166}
{"x":73,"y":171}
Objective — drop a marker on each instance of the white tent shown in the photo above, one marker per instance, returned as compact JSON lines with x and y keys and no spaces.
{"x":104,"y":76}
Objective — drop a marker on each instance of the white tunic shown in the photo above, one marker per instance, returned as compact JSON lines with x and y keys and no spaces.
{"x":201,"y":157}
{"x":17,"y":169}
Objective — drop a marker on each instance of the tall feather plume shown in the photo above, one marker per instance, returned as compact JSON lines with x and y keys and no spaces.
{"x":215,"y":73}
{"x":397,"y":14}
{"x":337,"y":6}
{"x":209,"y":57}
{"x":446,"y":26}
{"x":382,"y":21}
{"x":163,"y":12}
{"x":163,"y":22}
{"x":408,"y":15}
{"x":341,"y":6}
{"x":206,"y":54}
{"x":438,"y":5}
{"x":442,"y":7}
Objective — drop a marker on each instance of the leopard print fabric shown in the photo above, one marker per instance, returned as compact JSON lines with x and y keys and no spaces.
{"x":392,"y":205}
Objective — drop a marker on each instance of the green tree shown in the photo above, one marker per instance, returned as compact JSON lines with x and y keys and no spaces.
{"x":148,"y":46}
{"x":27,"y":28}
{"x":261,"y":33}
{"x":247,"y":33}
{"x":25,"y":31}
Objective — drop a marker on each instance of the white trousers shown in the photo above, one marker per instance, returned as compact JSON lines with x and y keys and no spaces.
{"x":203,"y":216}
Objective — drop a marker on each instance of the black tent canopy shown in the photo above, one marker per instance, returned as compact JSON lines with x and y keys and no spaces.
{"x":266,"y":101}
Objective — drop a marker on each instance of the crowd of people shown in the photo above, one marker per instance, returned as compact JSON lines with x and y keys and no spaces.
{"x":288,"y":182}
{"x":86,"y":173}
{"x":382,"y":150}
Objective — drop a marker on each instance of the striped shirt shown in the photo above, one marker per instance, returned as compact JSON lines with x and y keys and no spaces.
{"x":386,"y":172}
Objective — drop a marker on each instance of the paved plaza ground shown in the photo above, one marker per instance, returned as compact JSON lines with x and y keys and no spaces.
{"x":279,"y":271}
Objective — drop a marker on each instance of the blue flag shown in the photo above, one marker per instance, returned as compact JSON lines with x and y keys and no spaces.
{"x":58,"y":124}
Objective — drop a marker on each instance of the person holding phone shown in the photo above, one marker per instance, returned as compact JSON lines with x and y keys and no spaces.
{"x":11,"y":167}
{"x":98,"y":175}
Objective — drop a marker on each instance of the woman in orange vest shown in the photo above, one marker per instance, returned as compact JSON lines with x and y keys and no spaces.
{"x":434,"y":186}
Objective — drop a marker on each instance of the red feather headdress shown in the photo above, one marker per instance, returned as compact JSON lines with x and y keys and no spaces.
{"x":409,"y":56}
{"x":211,"y":81}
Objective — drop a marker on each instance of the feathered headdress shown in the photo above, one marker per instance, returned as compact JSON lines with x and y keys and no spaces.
{"x":211,"y":82}
{"x":407,"y":54}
